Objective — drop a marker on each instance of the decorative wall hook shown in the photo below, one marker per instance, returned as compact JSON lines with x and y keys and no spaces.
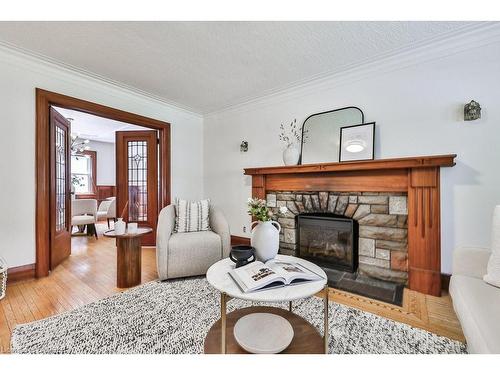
{"x":244,"y":146}
{"x":472,"y":111}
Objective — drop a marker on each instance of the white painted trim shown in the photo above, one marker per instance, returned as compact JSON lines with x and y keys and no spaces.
{"x":463,"y":39}
{"x":8,"y":50}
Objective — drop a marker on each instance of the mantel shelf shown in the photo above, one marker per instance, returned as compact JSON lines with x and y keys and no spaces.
{"x":380,"y":164}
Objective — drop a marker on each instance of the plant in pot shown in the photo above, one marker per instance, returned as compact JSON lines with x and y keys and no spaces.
{"x":292,"y":136}
{"x":75,"y":181}
{"x":265,"y":235}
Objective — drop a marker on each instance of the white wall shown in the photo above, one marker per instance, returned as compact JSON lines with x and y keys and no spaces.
{"x":418,"y":107}
{"x":106,"y":164}
{"x":19,"y":76}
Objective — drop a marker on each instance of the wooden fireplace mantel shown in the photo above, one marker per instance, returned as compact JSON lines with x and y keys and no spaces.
{"x":395,"y":163}
{"x":417,"y":176}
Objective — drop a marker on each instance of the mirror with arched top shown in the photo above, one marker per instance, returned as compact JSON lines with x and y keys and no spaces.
{"x":322,"y":144}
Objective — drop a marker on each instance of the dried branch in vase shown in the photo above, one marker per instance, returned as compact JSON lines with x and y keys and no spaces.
{"x":124,"y":212}
{"x":292,"y":134}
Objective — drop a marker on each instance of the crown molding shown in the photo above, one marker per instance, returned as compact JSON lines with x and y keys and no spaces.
{"x":448,"y":44}
{"x":42,"y":61}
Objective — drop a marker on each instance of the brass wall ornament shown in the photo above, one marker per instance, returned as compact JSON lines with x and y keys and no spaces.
{"x":472,"y":111}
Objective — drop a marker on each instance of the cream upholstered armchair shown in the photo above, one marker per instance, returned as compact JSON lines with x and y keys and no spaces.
{"x":84,"y":213}
{"x":107,"y":210}
{"x":191,"y":253}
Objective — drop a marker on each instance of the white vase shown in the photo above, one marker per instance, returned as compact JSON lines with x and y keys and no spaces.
{"x":265,"y":239}
{"x":291,"y":154}
{"x":120,"y":226}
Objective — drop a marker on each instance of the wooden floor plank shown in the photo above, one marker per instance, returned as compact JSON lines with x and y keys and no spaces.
{"x":4,"y":324}
{"x":23,"y":305}
{"x":30,"y":302}
{"x":12,"y":314}
{"x":15,"y":314}
{"x":5,"y":343}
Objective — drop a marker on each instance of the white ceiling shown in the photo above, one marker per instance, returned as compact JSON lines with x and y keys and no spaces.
{"x":95,"y":128}
{"x":207,"y":66}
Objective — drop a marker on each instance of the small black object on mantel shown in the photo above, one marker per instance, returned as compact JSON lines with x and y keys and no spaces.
{"x":472,"y":111}
{"x":241,"y":254}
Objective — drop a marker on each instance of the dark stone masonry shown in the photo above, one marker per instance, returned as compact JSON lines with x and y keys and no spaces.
{"x":382,"y":219}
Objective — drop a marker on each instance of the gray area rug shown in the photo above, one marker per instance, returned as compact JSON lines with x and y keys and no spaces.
{"x":175,"y":316}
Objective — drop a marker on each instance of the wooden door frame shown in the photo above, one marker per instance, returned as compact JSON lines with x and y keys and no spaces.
{"x":45,"y":99}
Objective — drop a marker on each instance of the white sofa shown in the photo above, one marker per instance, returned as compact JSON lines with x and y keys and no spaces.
{"x":476,"y":303}
{"x":190,"y":254}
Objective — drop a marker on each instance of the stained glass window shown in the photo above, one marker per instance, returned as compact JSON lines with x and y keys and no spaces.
{"x":137,"y":180}
{"x":60,"y":161}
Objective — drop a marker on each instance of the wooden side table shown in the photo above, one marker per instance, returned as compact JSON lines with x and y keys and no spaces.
{"x":128,"y":257}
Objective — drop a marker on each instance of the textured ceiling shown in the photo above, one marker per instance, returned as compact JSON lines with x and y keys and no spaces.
{"x":207,"y":66}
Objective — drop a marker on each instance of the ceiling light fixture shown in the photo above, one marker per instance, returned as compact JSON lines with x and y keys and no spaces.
{"x":78,"y":145}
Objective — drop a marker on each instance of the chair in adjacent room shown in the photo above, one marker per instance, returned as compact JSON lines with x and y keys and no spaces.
{"x":84,"y":214}
{"x":107,"y":210}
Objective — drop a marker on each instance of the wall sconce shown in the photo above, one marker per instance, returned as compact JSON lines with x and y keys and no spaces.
{"x":472,"y":111}
{"x":244,"y":146}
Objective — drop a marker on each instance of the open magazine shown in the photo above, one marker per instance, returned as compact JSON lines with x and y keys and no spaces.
{"x":272,"y":274}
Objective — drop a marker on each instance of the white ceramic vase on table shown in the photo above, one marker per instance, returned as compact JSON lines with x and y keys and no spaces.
{"x":265,"y":239}
{"x":120,"y":226}
{"x":291,"y":154}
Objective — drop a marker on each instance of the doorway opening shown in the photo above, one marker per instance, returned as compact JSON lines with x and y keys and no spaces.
{"x":75,"y":141}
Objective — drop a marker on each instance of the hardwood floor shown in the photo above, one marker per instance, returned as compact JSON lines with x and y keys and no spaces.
{"x":89,"y":274}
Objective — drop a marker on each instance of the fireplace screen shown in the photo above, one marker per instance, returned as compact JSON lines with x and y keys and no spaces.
{"x":328,"y":240}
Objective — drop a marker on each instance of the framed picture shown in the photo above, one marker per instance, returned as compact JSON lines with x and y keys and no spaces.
{"x":357,"y":142}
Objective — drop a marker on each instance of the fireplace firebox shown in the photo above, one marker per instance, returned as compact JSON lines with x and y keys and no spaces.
{"x":328,"y":240}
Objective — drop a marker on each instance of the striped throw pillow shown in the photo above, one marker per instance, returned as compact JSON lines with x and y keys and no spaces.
{"x":191,"y":216}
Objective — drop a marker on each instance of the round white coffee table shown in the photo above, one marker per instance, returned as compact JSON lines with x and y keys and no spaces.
{"x":218,"y":276}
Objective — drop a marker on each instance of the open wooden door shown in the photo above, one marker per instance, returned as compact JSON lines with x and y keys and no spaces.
{"x":60,"y":198}
{"x":137,"y":179}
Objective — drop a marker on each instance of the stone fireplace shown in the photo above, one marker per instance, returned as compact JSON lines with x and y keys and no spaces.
{"x":395,"y":201}
{"x":381,"y":218}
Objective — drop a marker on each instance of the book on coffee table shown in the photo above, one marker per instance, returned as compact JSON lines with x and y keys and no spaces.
{"x":271,"y":274}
